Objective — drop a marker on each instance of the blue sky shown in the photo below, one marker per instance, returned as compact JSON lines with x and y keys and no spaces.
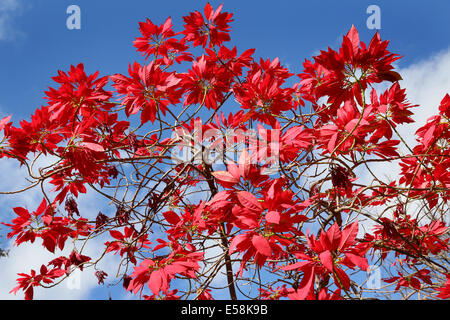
{"x":40,"y":44}
{"x":35,"y":43}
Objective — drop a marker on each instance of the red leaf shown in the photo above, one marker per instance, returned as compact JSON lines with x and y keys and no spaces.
{"x":93,"y":146}
{"x":330,"y":240}
{"x":171,"y":217}
{"x":208,"y":11}
{"x":349,"y":235}
{"x":358,"y":261}
{"x":58,"y":273}
{"x":273,"y":217}
{"x":22,"y":212}
{"x":353,"y":36}
{"x":415,"y":283}
{"x":249,"y":201}
{"x":262,"y":245}
{"x":444,"y":107}
{"x":116,"y":234}
{"x":298,"y":265}
{"x":155,"y":282}
{"x":244,"y":164}
{"x":225,"y":178}
{"x":49,"y":242}
{"x":174,"y":268}
{"x":327,"y":260}
{"x":220,"y":196}
{"x":41,"y":208}
{"x":29,"y":293}
{"x":234,"y":170}
{"x":341,"y":278}
{"x":236,"y":241}
{"x":305,"y":285}
{"x":4,"y":121}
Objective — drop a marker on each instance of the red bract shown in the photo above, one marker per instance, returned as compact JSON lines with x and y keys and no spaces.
{"x":229,"y":59}
{"x":274,"y":294}
{"x":21,"y":226}
{"x":75,"y":259}
{"x":425,"y":172}
{"x":101,"y":275}
{"x":346,"y":74}
{"x":53,"y":230}
{"x":444,"y":292}
{"x":161,"y":41}
{"x":294,"y":141}
{"x":148,"y":90}
{"x":324,"y":258}
{"x":4,"y":122}
{"x":205,"y":295}
{"x":78,"y":94}
{"x":404,"y":233}
{"x":247,"y":213}
{"x":444,"y":107}
{"x":213,"y":27}
{"x":254,"y":245}
{"x":205,"y":83}
{"x":170,"y":295}
{"x":27,"y":282}
{"x":244,"y":169}
{"x":160,"y":271}
{"x":262,"y":93}
{"x":347,"y":131}
{"x":129,"y":242}
{"x":412,"y":280}
{"x":39,"y":135}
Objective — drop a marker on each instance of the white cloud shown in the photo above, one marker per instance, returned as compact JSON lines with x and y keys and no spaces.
{"x":426,"y":83}
{"x":8,"y":10}
{"x":27,"y":256}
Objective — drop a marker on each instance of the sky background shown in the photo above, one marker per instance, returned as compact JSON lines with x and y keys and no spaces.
{"x":35,"y":43}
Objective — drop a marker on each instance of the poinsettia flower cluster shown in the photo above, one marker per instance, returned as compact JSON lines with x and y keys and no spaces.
{"x":213,"y":26}
{"x":429,"y":173}
{"x":262,"y":92}
{"x":413,"y":280}
{"x":298,"y":233}
{"x":159,"y":271}
{"x":405,"y":233}
{"x":128,"y":242}
{"x":149,"y":89}
{"x":161,"y":41}
{"x":344,"y":75}
{"x":323,"y":258}
{"x":42,"y":223}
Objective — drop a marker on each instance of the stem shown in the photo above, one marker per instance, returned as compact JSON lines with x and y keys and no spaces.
{"x":228,"y":265}
{"x":223,"y":236}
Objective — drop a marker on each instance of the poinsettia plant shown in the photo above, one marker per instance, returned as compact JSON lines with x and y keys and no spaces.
{"x":220,"y":165}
